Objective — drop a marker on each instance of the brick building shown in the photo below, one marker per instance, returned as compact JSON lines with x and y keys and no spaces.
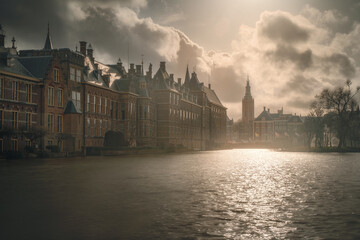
{"x":75,"y":100}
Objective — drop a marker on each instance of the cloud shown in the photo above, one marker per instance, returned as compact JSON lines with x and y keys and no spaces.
{"x":288,"y":57}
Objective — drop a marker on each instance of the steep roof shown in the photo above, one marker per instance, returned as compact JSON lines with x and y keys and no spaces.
{"x":14,"y":66}
{"x":71,"y":108}
{"x":37,"y":65}
{"x":264,"y":116}
{"x":295,"y":119}
{"x":48,"y":43}
{"x":211,"y":96}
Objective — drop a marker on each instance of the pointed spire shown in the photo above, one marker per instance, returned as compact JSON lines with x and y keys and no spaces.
{"x":48,"y":43}
{"x":13,"y":42}
{"x":187,"y":75}
{"x":247,"y":92}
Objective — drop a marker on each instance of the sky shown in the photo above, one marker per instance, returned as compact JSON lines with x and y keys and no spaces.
{"x":290,"y":50}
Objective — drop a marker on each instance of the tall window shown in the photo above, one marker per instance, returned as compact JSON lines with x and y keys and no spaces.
{"x":78,"y":75}
{"x":51,"y":96}
{"x":15,"y":120}
{"x":88,"y":103}
{"x":100,"y":105}
{"x":106,"y":125}
{"x":112,"y":109}
{"x":95,"y":127}
{"x":76,"y":99}
{"x":28,"y":120}
{"x":59,"y":124}
{"x":72,"y":74}
{"x":56,"y":75}
{"x":14,"y":144}
{"x":15,"y":90}
{"x":1,"y":88}
{"x":60,"y":97}
{"x":28,"y":92}
{"x":50,"y":122}
{"x":145,"y":111}
{"x":94,"y":110}
{"x":100,"y":128}
{"x":88,"y":126}
{"x":106,"y":101}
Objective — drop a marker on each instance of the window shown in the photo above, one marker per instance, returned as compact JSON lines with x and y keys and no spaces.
{"x":100,"y":103}
{"x":78,"y":75}
{"x":28,"y":120}
{"x":28,"y":92}
{"x":15,"y":120}
{"x":88,"y":103}
{"x":56,"y":75}
{"x":111,"y":109}
{"x":76,"y":99}
{"x":145,"y":111}
{"x":100,"y":128}
{"x":51,"y":96}
{"x":60,"y":97}
{"x":88,"y":126}
{"x":1,"y":119}
{"x":14,"y":144}
{"x":15,"y":90}
{"x":59,"y":124}
{"x":95,"y":127}
{"x":72,"y":74}
{"x":106,"y":125}
{"x":106,"y":101}
{"x":1,"y":88}
{"x":50,"y":122}
{"x":94,"y":110}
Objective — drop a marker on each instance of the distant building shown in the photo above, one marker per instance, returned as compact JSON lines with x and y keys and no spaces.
{"x":279,"y":127}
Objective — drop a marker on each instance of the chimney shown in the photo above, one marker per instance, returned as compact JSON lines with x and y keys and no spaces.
{"x":96,"y":66}
{"x":162,"y":66}
{"x":2,"y":37}
{"x":268,"y":110}
{"x":172,"y":77}
{"x":119,"y":65}
{"x":264,"y":108}
{"x":83,"y":47}
{"x":90,"y":52}
{"x":107,"y":79}
{"x":132,"y":69}
{"x":138,"y":69}
{"x":179,"y":82}
{"x":209,"y":85}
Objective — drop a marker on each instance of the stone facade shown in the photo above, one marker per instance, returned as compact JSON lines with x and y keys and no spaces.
{"x":76,"y":100}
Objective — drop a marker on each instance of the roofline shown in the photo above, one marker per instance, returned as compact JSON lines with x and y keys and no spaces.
{"x":20,"y":76}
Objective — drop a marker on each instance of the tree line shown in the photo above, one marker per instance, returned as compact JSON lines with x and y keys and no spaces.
{"x":333,"y":113}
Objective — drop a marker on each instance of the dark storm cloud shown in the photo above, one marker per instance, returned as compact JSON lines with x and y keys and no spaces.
{"x":342,"y":63}
{"x":284,"y":53}
{"x":280,"y":28}
{"x":301,"y":85}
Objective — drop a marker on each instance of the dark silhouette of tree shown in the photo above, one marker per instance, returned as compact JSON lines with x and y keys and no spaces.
{"x":341,"y":104}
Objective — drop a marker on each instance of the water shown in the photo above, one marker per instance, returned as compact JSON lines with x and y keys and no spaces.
{"x":232,"y":194}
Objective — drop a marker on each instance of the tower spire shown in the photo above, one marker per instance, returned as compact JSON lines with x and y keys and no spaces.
{"x":187,"y":75}
{"x":48,"y":43}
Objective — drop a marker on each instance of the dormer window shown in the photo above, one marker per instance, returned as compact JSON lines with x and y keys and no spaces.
{"x":142,"y":85}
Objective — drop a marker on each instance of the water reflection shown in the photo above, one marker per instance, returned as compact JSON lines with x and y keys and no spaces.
{"x":234,"y":194}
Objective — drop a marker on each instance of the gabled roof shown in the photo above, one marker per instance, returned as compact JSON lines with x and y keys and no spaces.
{"x":15,"y":67}
{"x":71,"y":108}
{"x":161,"y":79}
{"x":37,"y":65}
{"x":211,"y":96}
{"x":264,"y":116}
{"x":295,"y":119}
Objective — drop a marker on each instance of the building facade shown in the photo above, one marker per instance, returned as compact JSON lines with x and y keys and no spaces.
{"x":75,"y":101}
